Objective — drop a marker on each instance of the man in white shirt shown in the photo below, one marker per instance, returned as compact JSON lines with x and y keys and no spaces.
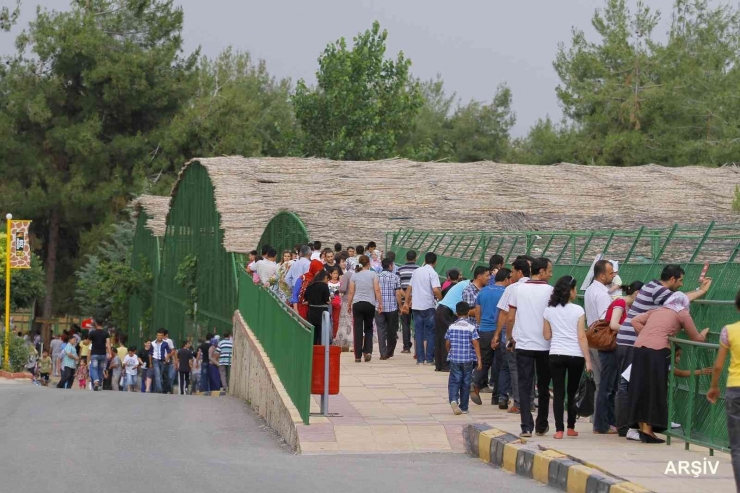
{"x":316,"y":254}
{"x":604,"y":364}
{"x":421,"y":295}
{"x":267,"y":267}
{"x":299,"y":267}
{"x":526,"y":308}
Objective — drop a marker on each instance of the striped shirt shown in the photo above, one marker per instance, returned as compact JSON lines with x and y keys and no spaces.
{"x":405,"y":272}
{"x":651,"y":296}
{"x":470,"y":296}
{"x":225,"y":348}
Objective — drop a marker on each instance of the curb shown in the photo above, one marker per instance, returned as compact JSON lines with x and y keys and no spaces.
{"x":18,"y":375}
{"x":547,"y":466}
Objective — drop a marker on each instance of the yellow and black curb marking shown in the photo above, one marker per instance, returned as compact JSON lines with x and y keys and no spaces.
{"x":547,"y":466}
{"x":211,"y":394}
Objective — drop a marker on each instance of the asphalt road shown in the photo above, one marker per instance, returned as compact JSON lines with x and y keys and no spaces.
{"x":65,"y":441}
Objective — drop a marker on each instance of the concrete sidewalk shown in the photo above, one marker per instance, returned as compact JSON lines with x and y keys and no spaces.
{"x":398,"y":406}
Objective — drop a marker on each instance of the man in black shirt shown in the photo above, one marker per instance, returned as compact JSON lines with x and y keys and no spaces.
{"x":184,"y":366}
{"x":204,"y":365}
{"x":100,"y":351}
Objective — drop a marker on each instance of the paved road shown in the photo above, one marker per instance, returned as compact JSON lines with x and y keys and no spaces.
{"x":93,"y":442}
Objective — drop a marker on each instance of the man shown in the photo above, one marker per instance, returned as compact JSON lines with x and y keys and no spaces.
{"x":526,"y":312}
{"x":350,"y":252}
{"x":404,"y":274}
{"x":444,"y":316}
{"x":204,"y":365}
{"x":267,"y":267}
{"x":652,"y":295}
{"x":370,"y":248}
{"x":225,"y":349}
{"x":387,"y":320}
{"x":316,"y":253}
{"x":487,"y":322}
{"x":100,"y":351}
{"x":392,"y":257}
{"x":337,"y":249}
{"x":453,"y":277}
{"x":421,"y":294}
{"x":353,"y":262}
{"x":520,"y":271}
{"x":159,"y":355}
{"x":495,"y":264}
{"x":330,"y":260}
{"x":170,"y":366}
{"x":299,"y":267}
{"x":603,"y":363}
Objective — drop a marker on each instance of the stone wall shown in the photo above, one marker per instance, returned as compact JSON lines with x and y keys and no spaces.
{"x":254,"y":379}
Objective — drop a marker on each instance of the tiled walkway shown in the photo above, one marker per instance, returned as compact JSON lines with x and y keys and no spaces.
{"x":396,"y":406}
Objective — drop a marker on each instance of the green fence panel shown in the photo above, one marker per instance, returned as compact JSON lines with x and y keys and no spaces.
{"x":145,"y":261}
{"x":286,"y":338}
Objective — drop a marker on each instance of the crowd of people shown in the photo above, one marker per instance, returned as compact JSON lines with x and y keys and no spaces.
{"x":505,"y":331}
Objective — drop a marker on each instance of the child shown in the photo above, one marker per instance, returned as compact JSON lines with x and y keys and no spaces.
{"x":462,"y":345}
{"x":81,"y":374}
{"x":335,"y":300}
{"x":131,"y":363}
{"x":45,"y":364}
{"x":195,"y":374}
{"x":114,"y":371}
{"x":729,"y":342}
{"x":33,"y":355}
{"x":184,"y":366}
{"x":253,"y":259}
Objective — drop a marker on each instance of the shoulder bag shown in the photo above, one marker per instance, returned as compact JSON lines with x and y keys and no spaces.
{"x":600,"y":336}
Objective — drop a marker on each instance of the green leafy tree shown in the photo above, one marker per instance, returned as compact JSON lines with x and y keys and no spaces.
{"x":106,"y":282}
{"x":26,"y":285}
{"x":9,"y":17}
{"x":82,"y":101}
{"x":427,"y":140}
{"x":363,"y":103}
{"x":546,"y":143}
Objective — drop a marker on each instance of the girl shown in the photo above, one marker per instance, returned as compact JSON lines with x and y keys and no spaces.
{"x":335,"y":299}
{"x":81,"y":374}
{"x":364,"y":300}
{"x":565,"y":327}
{"x":253,"y":258}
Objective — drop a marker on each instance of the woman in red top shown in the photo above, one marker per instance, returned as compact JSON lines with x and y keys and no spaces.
{"x":617,"y":312}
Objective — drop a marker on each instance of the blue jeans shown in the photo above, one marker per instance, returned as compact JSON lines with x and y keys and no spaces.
{"x":605,"y":416}
{"x":504,"y":376}
{"x":98,"y":363}
{"x":424,"y":327}
{"x":158,"y":369}
{"x":458,"y":386}
{"x":204,"y":383}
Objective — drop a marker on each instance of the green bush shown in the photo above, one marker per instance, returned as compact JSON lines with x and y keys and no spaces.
{"x":18,"y":351}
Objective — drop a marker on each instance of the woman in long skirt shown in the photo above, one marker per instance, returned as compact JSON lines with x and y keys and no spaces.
{"x":648,"y":387}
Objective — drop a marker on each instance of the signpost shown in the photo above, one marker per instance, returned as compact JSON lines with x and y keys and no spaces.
{"x":17,"y":256}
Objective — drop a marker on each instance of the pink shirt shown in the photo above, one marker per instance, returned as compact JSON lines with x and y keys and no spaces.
{"x":656,"y":326}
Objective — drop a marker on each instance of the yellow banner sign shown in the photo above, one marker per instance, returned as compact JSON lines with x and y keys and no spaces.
{"x":20,"y":249}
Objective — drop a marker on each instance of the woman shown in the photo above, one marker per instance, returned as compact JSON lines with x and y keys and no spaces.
{"x":69,"y":364}
{"x":299,"y":290}
{"x":605,"y":418}
{"x":363,"y":298}
{"x":214,"y":377}
{"x":565,"y":327}
{"x":281,"y":287}
{"x":345,"y":331}
{"x":648,"y":388}
{"x":317,"y":297}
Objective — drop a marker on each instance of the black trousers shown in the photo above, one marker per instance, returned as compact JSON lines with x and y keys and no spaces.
{"x":405,"y":329}
{"x":363,"y":314}
{"x":68,"y":378}
{"x":443,"y":318}
{"x":560,"y":365}
{"x":621,"y":401}
{"x":480,"y":378}
{"x":184,"y":381}
{"x":529,"y":363}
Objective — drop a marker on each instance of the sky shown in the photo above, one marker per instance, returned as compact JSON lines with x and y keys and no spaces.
{"x":473,"y":44}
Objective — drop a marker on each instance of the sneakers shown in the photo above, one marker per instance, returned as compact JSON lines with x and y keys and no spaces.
{"x":558,"y":435}
{"x":456,"y":408}
{"x":633,"y":435}
{"x":406,"y":351}
{"x":475,"y":395}
{"x":675,"y":425}
{"x":525,"y":434}
{"x":502,"y":404}
{"x":486,"y":390}
{"x":572,"y":432}
{"x":514,"y":410}
{"x":543,"y":433}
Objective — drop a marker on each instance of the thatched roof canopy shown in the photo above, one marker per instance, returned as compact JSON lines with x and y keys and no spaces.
{"x":361,"y":201}
{"x":156,"y":208}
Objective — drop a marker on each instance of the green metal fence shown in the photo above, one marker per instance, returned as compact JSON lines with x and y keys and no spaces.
{"x":283,"y":232}
{"x":144,"y":260}
{"x":701,"y":422}
{"x":286,"y":338}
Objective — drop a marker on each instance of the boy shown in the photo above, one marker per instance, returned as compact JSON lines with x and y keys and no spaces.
{"x":463,"y":350}
{"x":45,"y":364}
{"x":131,"y":363}
{"x":195,"y":374}
{"x":114,"y":371}
{"x":184,"y":366}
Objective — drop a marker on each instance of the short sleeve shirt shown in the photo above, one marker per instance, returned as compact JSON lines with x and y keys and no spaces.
{"x":461,"y":335}
{"x":423,"y":283}
{"x":530,"y":300}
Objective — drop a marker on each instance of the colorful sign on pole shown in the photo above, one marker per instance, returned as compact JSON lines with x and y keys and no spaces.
{"x":20,"y":249}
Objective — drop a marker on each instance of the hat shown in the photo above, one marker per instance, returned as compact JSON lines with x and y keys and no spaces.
{"x":615,"y":264}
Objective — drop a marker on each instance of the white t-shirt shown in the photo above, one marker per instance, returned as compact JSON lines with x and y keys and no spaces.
{"x":130,"y":362}
{"x":503,"y":303}
{"x":530,"y":300}
{"x":564,"y":324}
{"x":316,"y":255}
{"x":423,"y":282}
{"x":265,"y":269}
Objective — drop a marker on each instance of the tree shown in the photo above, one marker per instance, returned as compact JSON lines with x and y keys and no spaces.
{"x":362,"y":104}
{"x":427,"y":140}
{"x":106,"y":282}
{"x":26,"y":285}
{"x":546,"y":143}
{"x":82,"y":100}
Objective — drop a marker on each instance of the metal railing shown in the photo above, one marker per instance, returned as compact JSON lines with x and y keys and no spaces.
{"x":286,"y":338}
{"x":702,"y":423}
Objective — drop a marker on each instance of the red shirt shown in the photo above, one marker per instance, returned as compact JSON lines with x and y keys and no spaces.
{"x":620,"y":303}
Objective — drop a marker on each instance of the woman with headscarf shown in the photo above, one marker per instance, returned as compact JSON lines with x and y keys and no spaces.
{"x":214,"y":377}
{"x":299,"y":290}
{"x":281,"y":287}
{"x":345,"y":334}
{"x":648,"y":387}
{"x":317,"y":297}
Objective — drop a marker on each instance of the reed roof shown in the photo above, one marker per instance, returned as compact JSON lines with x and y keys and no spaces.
{"x":156,"y":209}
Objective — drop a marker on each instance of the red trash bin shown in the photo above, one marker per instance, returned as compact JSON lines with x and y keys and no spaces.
{"x":317,"y":370}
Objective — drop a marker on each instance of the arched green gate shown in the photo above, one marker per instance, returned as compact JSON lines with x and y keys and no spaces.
{"x":145,"y":261}
{"x":284,"y":231}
